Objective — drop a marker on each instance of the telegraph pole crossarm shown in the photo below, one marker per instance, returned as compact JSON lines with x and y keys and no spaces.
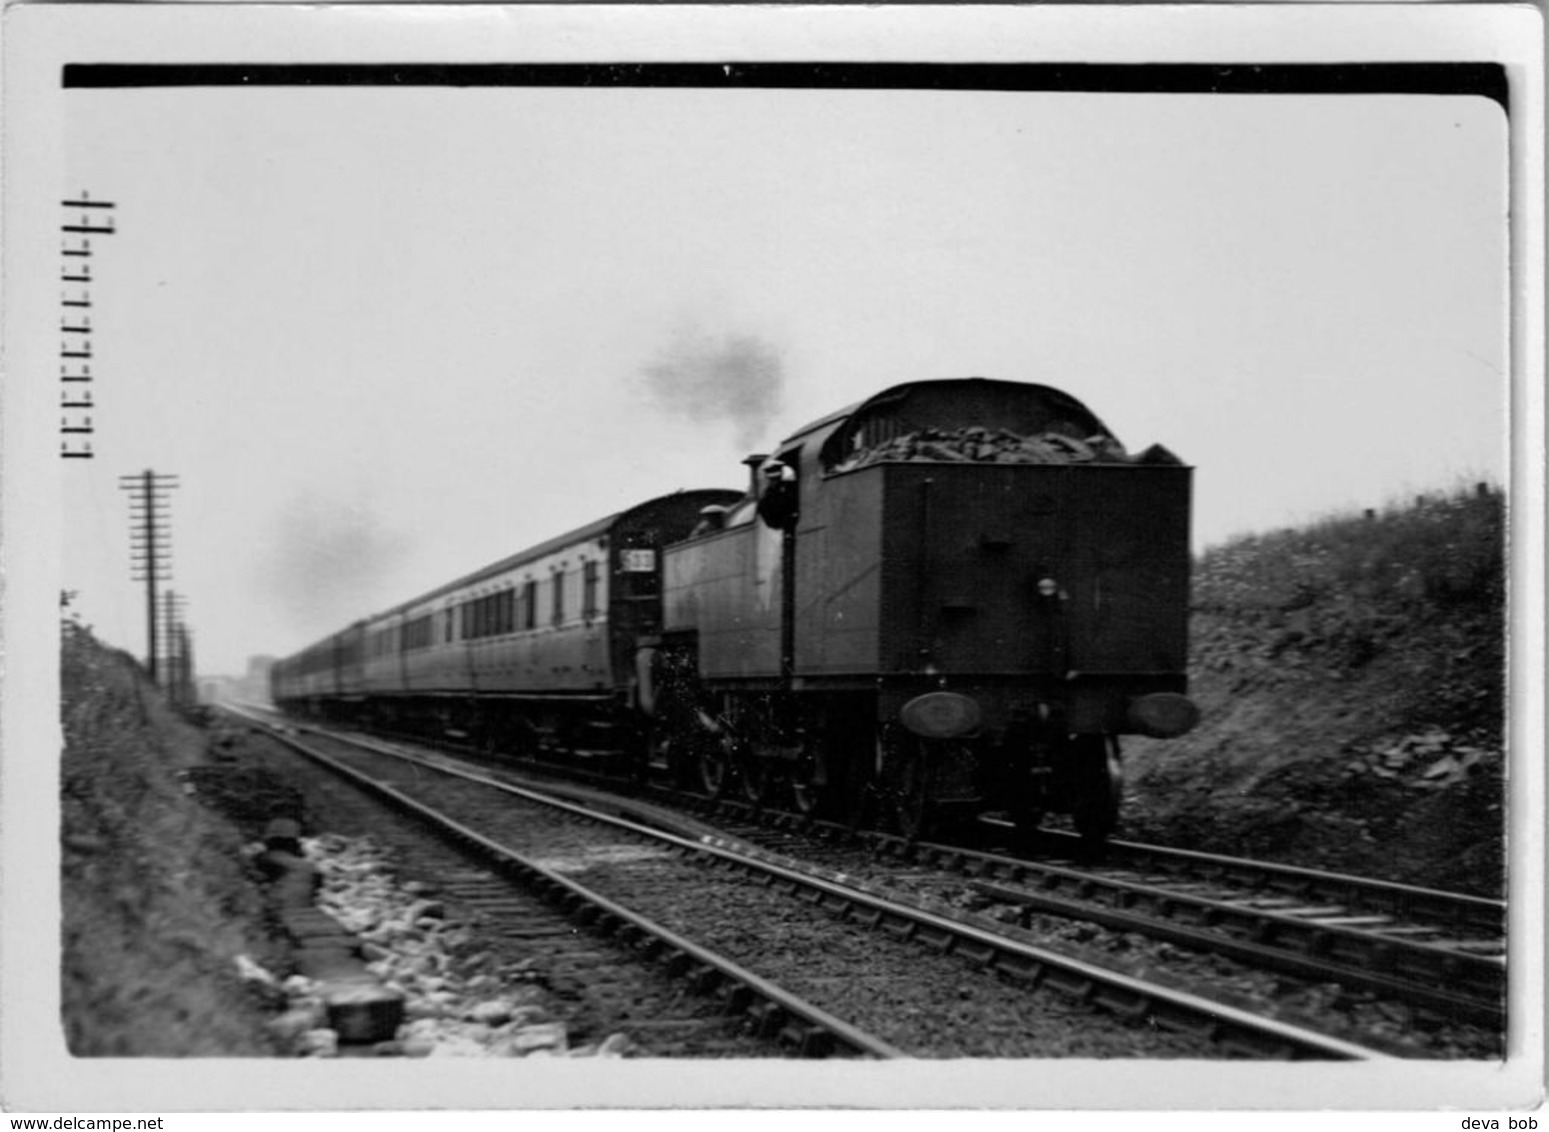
{"x":150,"y":555}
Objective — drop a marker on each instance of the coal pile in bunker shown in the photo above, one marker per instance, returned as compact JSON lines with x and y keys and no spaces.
{"x":975,"y":444}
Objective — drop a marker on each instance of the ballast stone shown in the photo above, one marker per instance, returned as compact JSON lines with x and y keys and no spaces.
{"x":405,"y":938}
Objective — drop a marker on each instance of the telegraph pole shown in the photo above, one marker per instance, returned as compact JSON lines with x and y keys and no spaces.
{"x":185,"y":651}
{"x":178,"y":673}
{"x":150,"y":544}
{"x":172,"y":614}
{"x":86,"y":219}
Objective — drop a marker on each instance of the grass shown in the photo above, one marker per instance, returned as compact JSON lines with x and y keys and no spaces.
{"x":1351,"y":676}
{"x":156,"y":901}
{"x":1443,"y":549}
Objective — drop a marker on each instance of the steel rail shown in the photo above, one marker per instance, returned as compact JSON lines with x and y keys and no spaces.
{"x":1433,"y":974}
{"x":1456,"y":910}
{"x":1430,"y":974}
{"x":1475,"y":1004}
{"x":1235,"y":1029}
{"x":1460,"y":911}
{"x":775,"y":1011}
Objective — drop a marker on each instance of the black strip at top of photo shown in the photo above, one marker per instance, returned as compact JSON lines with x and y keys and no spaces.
{"x":1487,"y":80}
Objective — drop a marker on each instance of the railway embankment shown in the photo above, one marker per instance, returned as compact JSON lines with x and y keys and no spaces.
{"x":157,"y":901}
{"x":1351,"y":678}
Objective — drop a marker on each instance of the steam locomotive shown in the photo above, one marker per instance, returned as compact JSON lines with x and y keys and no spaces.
{"x":949,"y":600}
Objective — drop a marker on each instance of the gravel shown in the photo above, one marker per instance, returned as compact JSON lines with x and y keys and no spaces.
{"x":926,"y":1003}
{"x":465,"y":947}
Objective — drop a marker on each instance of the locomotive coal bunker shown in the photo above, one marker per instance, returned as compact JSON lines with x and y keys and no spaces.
{"x":946,"y":601}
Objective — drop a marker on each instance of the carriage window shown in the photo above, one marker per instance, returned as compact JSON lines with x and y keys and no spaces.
{"x":589,"y":589}
{"x":416,"y":633}
{"x":559,"y":596}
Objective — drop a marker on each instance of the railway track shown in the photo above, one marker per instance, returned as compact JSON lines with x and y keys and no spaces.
{"x":835,"y":963}
{"x":518,"y":898}
{"x":1437,"y":952}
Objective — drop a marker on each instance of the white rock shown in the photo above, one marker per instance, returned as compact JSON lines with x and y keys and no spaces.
{"x":292,"y":1024}
{"x":248,"y":971}
{"x":320,"y":1043}
{"x":426,"y":1029}
{"x":495,"y":1012}
{"x":615,"y":1045}
{"x":413,"y":967}
{"x":433,"y":909}
{"x":393,"y":929}
{"x":422,"y":1008}
{"x":543,"y":1035}
{"x":459,"y":1047}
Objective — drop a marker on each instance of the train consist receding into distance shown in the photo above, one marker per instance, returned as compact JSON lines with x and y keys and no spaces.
{"x":949,"y":600}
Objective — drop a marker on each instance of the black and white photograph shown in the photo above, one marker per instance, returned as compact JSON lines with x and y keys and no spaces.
{"x":773,"y":557}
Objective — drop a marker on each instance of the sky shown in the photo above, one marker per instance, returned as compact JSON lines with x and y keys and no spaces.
{"x":386,"y":336}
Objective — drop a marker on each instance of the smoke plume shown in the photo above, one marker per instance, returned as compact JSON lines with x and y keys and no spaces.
{"x":326,"y":562}
{"x":732,"y":378}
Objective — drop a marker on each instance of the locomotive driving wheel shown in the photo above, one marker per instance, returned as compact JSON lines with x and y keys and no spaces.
{"x":669,"y":751}
{"x":808,"y":795}
{"x":715,"y":768}
{"x":906,"y":775}
{"x":912,"y":799}
{"x":757,"y":774}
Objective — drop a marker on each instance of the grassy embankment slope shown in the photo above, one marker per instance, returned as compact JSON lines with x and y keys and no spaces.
{"x":1351,"y":679}
{"x":156,"y":901}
